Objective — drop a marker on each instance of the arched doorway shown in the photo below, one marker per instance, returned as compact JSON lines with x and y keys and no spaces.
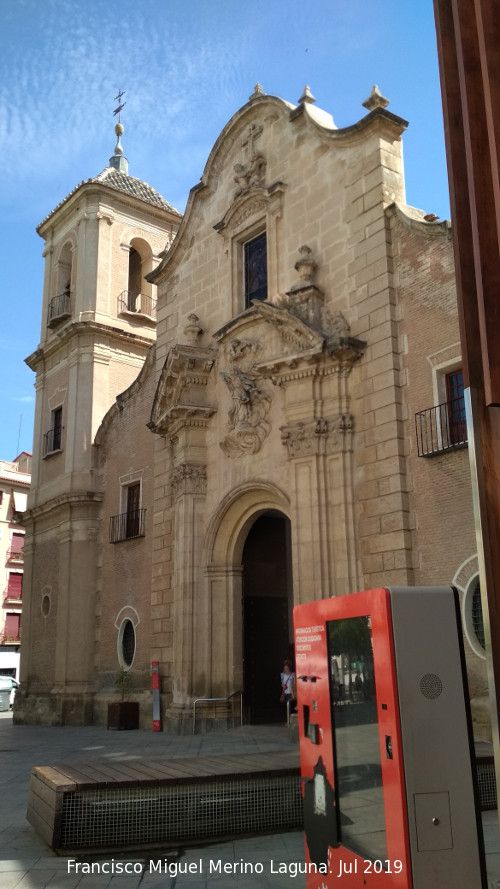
{"x":267,"y":614}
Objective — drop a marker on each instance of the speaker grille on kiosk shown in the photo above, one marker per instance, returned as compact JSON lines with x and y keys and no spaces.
{"x":431,"y":686}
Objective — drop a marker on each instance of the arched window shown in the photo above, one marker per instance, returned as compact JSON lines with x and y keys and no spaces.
{"x":60,"y":306}
{"x":134,"y":280}
{"x":138,"y":297}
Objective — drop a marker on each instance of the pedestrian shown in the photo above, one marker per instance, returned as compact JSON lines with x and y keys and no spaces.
{"x":288,"y":686}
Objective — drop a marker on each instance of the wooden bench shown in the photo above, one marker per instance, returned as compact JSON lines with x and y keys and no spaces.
{"x":142,"y":803}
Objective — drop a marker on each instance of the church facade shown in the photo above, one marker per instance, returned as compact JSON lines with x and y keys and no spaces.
{"x":286,"y":425}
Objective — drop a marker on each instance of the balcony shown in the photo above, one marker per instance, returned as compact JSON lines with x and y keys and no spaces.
{"x":13,"y":595}
{"x":59,"y":309}
{"x":12,"y":638}
{"x":137,"y":304}
{"x":15,"y":554}
{"x":52,"y":441}
{"x":127,"y":526}
{"x":441,"y":428}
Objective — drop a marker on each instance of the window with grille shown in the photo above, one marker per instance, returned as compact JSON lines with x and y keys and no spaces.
{"x":457,"y":425}
{"x":126,"y":643}
{"x":53,"y":438}
{"x":477,"y":615}
{"x":255,"y":268}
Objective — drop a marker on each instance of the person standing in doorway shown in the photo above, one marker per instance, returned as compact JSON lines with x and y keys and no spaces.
{"x":288,"y":686}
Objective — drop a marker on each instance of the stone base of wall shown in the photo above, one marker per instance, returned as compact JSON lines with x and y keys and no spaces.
{"x":481,"y":718}
{"x":48,"y":709}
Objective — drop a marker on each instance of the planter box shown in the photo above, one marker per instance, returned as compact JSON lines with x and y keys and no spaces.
{"x":123,"y":715}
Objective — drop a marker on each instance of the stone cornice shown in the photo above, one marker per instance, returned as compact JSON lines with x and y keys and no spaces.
{"x":181,"y":390}
{"x":83,"y":328}
{"x":63,"y":501}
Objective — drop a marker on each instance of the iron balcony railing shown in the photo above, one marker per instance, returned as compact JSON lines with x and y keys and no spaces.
{"x":137,"y":303}
{"x":59,"y":308}
{"x":127,"y":525}
{"x":10,"y":638}
{"x":12,"y":595}
{"x":441,"y":428}
{"x":15,"y":555}
{"x":52,"y":440}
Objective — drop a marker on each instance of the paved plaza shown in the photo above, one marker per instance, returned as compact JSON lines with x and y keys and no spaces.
{"x":26,"y":862}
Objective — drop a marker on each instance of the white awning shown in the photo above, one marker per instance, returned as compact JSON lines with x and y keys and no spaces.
{"x":20,"y":500}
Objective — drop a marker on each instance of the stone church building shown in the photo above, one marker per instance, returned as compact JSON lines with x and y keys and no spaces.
{"x":251,"y":406}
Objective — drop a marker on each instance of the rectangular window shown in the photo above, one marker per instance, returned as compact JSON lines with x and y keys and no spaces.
{"x":255,"y":269}
{"x":15,"y":586}
{"x":133,"y":510}
{"x":57,"y":428}
{"x":457,"y":424}
{"x":53,"y":438}
{"x":12,"y":631}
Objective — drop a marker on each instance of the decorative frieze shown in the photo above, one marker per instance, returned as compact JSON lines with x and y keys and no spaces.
{"x":309,"y":438}
{"x":189,"y":478}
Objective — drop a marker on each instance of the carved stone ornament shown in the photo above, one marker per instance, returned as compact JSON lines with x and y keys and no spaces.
{"x":306,"y":438}
{"x":189,"y":478}
{"x":305,"y":299}
{"x":305,"y":266}
{"x":181,"y":396}
{"x":248,"y":424}
{"x":192,"y":330}
{"x":253,"y":171}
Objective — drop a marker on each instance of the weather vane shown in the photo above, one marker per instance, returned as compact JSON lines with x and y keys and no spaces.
{"x":121,"y":104}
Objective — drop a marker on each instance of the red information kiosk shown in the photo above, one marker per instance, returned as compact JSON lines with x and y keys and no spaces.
{"x":386,"y":742}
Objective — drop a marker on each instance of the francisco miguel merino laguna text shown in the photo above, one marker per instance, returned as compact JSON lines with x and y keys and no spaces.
{"x":211,"y":866}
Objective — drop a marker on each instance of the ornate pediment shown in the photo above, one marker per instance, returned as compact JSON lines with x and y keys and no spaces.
{"x":292,"y":347}
{"x":181,"y":394}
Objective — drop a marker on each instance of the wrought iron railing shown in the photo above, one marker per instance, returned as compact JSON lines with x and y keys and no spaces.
{"x":441,"y":428}
{"x":59,"y":308}
{"x":52,"y":440}
{"x":12,"y":595}
{"x":15,"y":555}
{"x":137,"y":303}
{"x":9,"y":638}
{"x":127,"y":525}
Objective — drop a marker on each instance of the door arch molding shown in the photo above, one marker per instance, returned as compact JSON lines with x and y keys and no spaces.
{"x":229,"y":527}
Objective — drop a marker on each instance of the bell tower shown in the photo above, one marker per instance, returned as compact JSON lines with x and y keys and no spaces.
{"x":98,"y":323}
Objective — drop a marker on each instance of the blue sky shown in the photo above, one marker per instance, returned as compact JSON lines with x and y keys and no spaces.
{"x":186,"y":68}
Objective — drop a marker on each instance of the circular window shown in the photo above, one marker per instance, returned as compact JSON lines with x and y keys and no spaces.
{"x":473,"y":617}
{"x":45,"y":606}
{"x":126,"y":644}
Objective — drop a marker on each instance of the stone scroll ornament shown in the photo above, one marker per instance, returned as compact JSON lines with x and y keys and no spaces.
{"x":248,"y":423}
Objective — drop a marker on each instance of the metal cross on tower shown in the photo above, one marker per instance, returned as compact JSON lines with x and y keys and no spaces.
{"x":121,"y":104}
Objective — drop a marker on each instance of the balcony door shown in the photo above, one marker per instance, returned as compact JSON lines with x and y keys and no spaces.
{"x":133,"y":510}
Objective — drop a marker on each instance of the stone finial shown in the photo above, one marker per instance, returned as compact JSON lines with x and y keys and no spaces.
{"x":375,"y":100}
{"x":305,"y":266}
{"x":307,"y":97}
{"x":192,"y":330}
{"x":258,"y":91}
